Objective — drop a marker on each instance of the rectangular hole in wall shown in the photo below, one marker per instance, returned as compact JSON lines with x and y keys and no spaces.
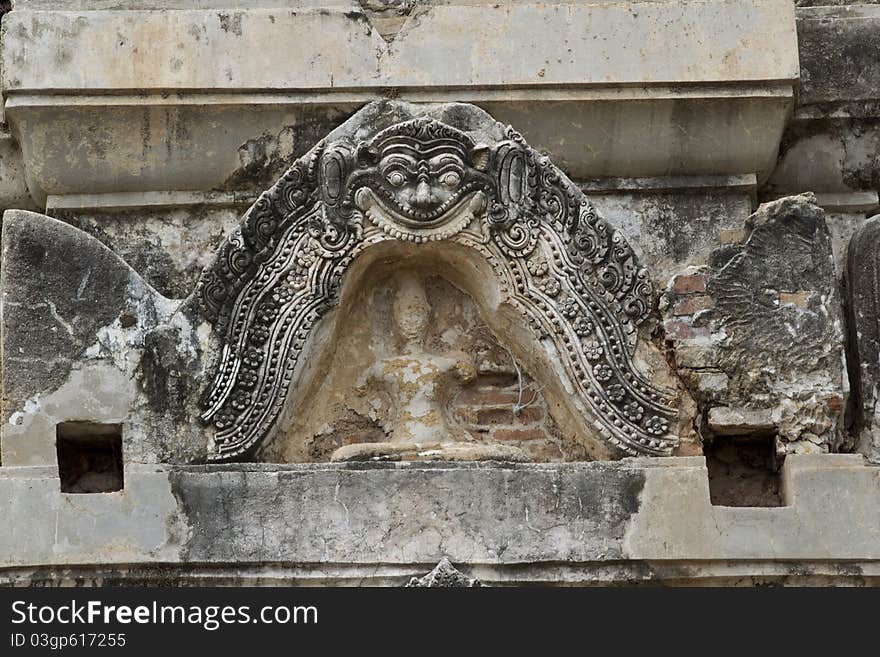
{"x":89,"y":457}
{"x":743,"y":471}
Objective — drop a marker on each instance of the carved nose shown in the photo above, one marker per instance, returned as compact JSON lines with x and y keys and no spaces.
{"x":423,"y":195}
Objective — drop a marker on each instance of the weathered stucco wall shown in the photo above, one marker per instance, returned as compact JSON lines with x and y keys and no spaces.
{"x":634,"y":521}
{"x":732,"y":143}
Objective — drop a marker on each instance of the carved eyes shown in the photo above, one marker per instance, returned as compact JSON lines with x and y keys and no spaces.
{"x":395,"y":178}
{"x":450,"y":179}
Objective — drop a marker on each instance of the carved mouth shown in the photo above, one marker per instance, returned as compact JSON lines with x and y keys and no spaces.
{"x":453,"y":220}
{"x":415,"y":218}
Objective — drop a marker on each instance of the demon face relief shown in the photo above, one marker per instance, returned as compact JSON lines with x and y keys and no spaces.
{"x":419,"y":180}
{"x":421,"y":173}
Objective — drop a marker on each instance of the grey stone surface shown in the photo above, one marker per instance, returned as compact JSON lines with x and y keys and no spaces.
{"x":168,"y":247}
{"x":139,"y":523}
{"x":13,"y":187}
{"x":843,"y":226}
{"x":627,"y":48}
{"x":671,"y":231}
{"x":726,"y":421}
{"x":863,"y":288}
{"x":839,"y":49}
{"x":832,"y":143}
{"x":349,"y":515}
{"x":631,"y":521}
{"x":63,"y":343}
{"x":596,"y":88}
{"x":777,"y":306}
{"x":78,"y":344}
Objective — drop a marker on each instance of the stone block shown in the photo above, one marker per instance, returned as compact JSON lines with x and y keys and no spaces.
{"x":726,"y":421}
{"x":711,"y":383}
{"x":592,"y":84}
{"x":838,"y":53}
{"x":632,"y":48}
{"x":696,"y":355}
{"x":384,"y":523}
{"x":65,"y":353}
{"x":81,"y":341}
{"x":777,"y":308}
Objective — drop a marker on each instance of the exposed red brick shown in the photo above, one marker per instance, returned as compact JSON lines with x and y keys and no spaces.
{"x":835,"y":404}
{"x":692,"y":305}
{"x":519,"y":434}
{"x":689,"y":283}
{"x":530,"y":414}
{"x":364,"y":437}
{"x":495,"y":415}
{"x":495,"y":397}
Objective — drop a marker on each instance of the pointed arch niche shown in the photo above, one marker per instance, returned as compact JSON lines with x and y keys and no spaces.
{"x":450,"y":194}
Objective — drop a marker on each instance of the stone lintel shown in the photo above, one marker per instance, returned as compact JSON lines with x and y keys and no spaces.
{"x":734,"y":184}
{"x":606,"y":91}
{"x":849,"y":203}
{"x":147,"y":201}
{"x":572,"y":522}
{"x":590,"y":135}
{"x":443,"y":45}
{"x":726,"y":421}
{"x":162,"y":200}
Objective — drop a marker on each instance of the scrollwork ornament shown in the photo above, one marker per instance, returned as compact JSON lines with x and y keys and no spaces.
{"x":577,"y":280}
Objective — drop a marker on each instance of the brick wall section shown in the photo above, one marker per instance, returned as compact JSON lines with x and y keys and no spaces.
{"x":690,"y":339}
{"x":488,"y":410}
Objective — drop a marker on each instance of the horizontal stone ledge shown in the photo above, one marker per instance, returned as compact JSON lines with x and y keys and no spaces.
{"x":854,"y":202}
{"x":162,"y":200}
{"x":726,"y":421}
{"x":122,"y":201}
{"x":745,"y":183}
{"x":469,"y":44}
{"x":671,"y":572}
{"x":416,"y":513}
{"x":136,"y":5}
{"x":862,"y":202}
{"x":632,"y":134}
{"x":428,"y":93}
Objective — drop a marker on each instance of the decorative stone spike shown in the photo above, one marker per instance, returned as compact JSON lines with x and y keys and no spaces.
{"x":444,"y":575}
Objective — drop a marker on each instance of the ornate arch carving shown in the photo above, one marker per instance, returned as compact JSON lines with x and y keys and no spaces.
{"x":571,"y":275}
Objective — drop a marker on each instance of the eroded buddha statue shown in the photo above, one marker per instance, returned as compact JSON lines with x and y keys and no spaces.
{"x":421,"y":386}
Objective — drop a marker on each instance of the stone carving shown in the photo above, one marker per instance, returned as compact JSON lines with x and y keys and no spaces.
{"x":770,"y":326}
{"x":863,"y":286}
{"x":387,"y":16}
{"x":444,"y":575}
{"x":421,"y":386}
{"x":570,"y":275}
